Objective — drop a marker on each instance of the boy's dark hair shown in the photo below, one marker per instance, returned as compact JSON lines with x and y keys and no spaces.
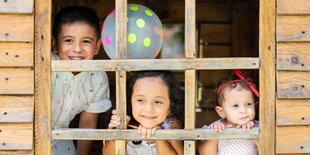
{"x":176,"y":94}
{"x":220,"y":97}
{"x":72,"y":14}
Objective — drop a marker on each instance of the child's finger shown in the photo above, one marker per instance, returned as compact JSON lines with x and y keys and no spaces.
{"x":154,"y":131}
{"x":148,"y":133}
{"x":143,"y":132}
{"x":114,"y":112}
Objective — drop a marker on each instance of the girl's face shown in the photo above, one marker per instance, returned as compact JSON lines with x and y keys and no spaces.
{"x":77,"y":41}
{"x":238,"y":108}
{"x":150,"y":101}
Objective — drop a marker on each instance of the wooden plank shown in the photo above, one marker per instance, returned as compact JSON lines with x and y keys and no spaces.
{"x":156,"y":64}
{"x":42,"y":96}
{"x":16,"y":108}
{"x":293,"y":84}
{"x":16,"y":28}
{"x":173,"y":134}
{"x":16,"y":54}
{"x":16,"y":81}
{"x":267,"y":54}
{"x":293,"y":56}
{"x":16,"y":6}
{"x":215,"y":33}
{"x":190,"y":75}
{"x":293,"y":28}
{"x":293,"y":112}
{"x":15,"y":152}
{"x":293,"y":7}
{"x":293,"y":139}
{"x":120,"y":75}
{"x":16,"y":136}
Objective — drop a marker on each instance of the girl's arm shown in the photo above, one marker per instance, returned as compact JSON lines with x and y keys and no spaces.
{"x":208,"y":147}
{"x":173,"y":147}
{"x":87,"y":120}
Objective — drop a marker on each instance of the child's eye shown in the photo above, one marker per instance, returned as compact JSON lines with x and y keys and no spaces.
{"x":68,"y":40}
{"x":249,"y":104}
{"x":139,"y":100}
{"x":235,"y":106}
{"x":86,"y":41}
{"x":158,"y":102}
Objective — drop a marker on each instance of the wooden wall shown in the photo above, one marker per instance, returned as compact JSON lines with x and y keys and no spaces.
{"x":293,"y":77}
{"x":16,"y":77}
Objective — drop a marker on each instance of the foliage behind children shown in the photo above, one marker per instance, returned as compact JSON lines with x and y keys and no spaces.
{"x":155,"y":101}
{"x":76,"y":36}
{"x":236,"y":98}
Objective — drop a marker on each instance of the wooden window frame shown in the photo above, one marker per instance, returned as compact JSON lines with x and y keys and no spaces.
{"x":265,"y":63}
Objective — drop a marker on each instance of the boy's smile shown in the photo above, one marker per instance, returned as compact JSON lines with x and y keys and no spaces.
{"x":77,"y":41}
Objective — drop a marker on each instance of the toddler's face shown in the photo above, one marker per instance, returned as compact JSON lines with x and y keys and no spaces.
{"x":77,"y":41}
{"x":238,"y":107}
{"x":150,"y":101}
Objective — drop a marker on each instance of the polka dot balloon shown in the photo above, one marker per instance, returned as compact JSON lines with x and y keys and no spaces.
{"x":144,"y":33}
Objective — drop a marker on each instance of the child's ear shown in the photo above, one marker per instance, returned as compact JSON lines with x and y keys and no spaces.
{"x":220,"y":111}
{"x":98,"y":44}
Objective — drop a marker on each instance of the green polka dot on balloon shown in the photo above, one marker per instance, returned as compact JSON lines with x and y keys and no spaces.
{"x":140,"y":23}
{"x":147,"y":42}
{"x":149,"y":13}
{"x":134,"y":8}
{"x":132,"y":38}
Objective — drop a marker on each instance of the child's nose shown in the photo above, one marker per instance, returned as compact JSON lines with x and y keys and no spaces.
{"x":242,"y":109}
{"x":149,"y":106}
{"x":77,"y":47}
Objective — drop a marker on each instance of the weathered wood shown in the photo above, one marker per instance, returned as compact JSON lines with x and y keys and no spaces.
{"x":293,"y":139}
{"x":173,"y":134}
{"x":293,"y":84}
{"x":293,"y":7}
{"x":293,"y":56}
{"x":190,"y":75}
{"x":42,"y":96}
{"x":16,"y":81}
{"x":16,"y":108}
{"x":17,"y":152}
{"x":16,"y":136}
{"x":156,"y":64}
{"x":16,"y":28}
{"x":16,"y":6}
{"x":293,"y":112}
{"x":121,"y":53}
{"x":293,"y":28}
{"x":215,"y":33}
{"x":16,"y":54}
{"x":267,"y":77}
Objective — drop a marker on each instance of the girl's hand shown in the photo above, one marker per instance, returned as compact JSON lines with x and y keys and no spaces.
{"x":147,"y":132}
{"x":247,"y":127}
{"x":217,"y":126}
{"x":116,"y":120}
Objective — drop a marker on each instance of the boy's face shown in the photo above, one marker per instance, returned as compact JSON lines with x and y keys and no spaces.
{"x":150,"y":101}
{"x":77,"y":41}
{"x":238,"y":108}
